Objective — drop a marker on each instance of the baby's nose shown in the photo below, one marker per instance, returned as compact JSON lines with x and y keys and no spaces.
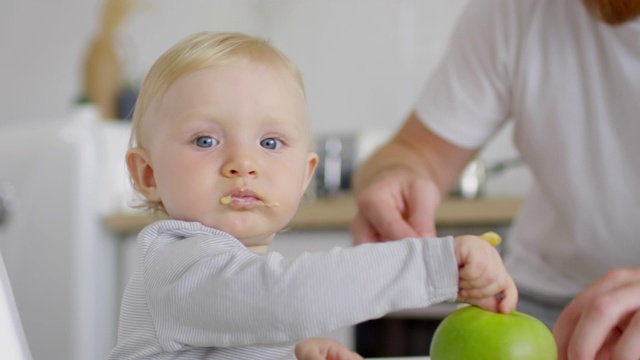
{"x":239,"y":167}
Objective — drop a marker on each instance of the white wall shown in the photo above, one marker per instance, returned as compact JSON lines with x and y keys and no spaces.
{"x":42,"y":43}
{"x":363,"y":60}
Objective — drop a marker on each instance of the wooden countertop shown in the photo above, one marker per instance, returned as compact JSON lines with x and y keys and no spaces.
{"x":337,"y":213}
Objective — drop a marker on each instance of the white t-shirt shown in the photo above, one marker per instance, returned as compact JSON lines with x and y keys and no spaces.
{"x":572,"y":86}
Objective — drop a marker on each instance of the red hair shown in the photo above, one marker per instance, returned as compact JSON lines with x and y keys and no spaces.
{"x":614,"y":12}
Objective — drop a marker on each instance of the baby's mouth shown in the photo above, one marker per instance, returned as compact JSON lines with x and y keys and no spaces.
{"x":246,"y":199}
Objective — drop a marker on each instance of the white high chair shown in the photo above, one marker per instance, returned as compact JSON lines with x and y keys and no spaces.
{"x":12,"y":338}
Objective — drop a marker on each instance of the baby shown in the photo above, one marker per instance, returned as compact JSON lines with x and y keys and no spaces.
{"x":222,"y":145}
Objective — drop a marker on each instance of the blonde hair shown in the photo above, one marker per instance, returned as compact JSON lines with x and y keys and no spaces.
{"x":199,"y":51}
{"x":196,"y":52}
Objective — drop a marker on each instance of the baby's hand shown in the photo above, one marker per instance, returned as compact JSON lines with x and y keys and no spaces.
{"x":484,"y":280}
{"x":323,"y":349}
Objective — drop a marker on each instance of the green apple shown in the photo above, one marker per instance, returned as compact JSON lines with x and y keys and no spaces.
{"x":471,"y":333}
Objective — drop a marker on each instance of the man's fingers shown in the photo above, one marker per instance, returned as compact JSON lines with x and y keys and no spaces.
{"x":612,"y":280}
{"x":563,"y":330}
{"x":628,"y":346}
{"x":422,"y":201}
{"x":362,"y":232}
{"x":385,"y":217}
{"x":570,"y":316}
{"x":601,"y":316}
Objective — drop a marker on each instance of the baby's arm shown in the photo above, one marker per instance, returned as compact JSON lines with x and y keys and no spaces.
{"x":232,"y":297}
{"x":484,"y":280}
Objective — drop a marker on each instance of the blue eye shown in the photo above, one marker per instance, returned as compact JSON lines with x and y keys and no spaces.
{"x":270,"y":143}
{"x":206,"y":142}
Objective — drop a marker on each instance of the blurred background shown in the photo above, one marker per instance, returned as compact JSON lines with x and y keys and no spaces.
{"x":61,"y":170}
{"x":363,"y":61}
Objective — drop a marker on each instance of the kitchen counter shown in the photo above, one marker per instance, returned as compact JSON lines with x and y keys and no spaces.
{"x":337,"y":213}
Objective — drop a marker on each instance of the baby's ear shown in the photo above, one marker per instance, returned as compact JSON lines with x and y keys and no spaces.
{"x":141,"y":172}
{"x":312,"y":163}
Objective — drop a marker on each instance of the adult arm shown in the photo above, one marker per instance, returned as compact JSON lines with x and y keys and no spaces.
{"x":465,"y":101}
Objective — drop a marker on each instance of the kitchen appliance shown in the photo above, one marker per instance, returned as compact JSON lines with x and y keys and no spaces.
{"x":336,"y":153}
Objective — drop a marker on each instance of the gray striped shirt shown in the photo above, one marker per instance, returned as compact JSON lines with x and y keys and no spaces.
{"x":198,"y":293}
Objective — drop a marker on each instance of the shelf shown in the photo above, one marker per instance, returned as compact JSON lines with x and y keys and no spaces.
{"x":337,"y":213}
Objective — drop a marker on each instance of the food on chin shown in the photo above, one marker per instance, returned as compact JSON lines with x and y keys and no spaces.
{"x":226,"y":200}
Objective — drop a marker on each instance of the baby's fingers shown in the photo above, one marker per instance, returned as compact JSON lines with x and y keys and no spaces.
{"x":488,"y":284}
{"x":480,"y":272}
{"x":489,"y":303}
{"x":476,"y":292}
{"x":503,"y":301}
{"x":508,"y":297}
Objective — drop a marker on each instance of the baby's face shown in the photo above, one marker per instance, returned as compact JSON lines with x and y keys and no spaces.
{"x":229,"y":148}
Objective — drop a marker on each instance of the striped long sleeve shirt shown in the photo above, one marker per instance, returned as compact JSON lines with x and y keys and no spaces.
{"x":198,"y":293}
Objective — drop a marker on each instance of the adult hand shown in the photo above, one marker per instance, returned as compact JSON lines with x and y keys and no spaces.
{"x":398,"y":204}
{"x":323,"y":349}
{"x":602,"y":322}
{"x":401,"y":185}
